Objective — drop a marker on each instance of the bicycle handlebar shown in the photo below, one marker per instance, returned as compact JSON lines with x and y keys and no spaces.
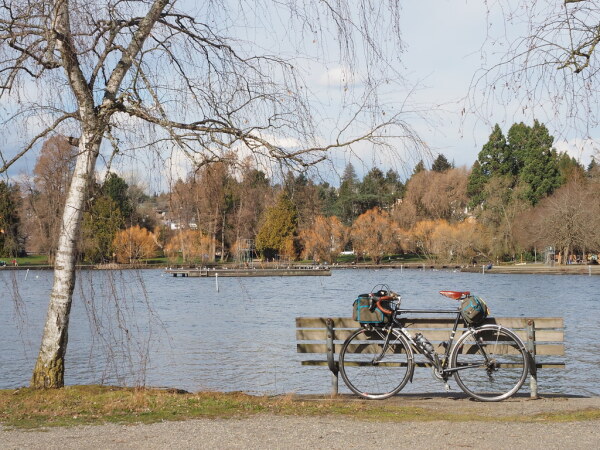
{"x":382,"y":308}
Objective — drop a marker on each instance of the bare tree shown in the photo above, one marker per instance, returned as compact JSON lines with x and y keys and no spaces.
{"x":145,"y":73}
{"x":565,"y":220}
{"x":433,"y":195}
{"x":45,"y":199}
{"x":548,"y":64}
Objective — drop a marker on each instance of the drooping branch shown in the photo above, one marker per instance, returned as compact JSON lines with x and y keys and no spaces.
{"x":550,"y":67}
{"x":7,"y":164}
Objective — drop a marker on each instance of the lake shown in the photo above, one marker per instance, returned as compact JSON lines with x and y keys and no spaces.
{"x":143,"y":327}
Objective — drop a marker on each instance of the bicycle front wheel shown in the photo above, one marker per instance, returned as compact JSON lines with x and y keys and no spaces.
{"x":372,"y":369}
{"x":490,"y":363}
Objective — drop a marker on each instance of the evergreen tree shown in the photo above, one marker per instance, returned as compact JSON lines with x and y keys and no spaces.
{"x":371,"y":192}
{"x":10,"y":240}
{"x":593,"y":169}
{"x":100,"y":226}
{"x":496,"y":157}
{"x":394,"y":186}
{"x":347,"y":204}
{"x":116,"y":188}
{"x":592,"y":165}
{"x":475,"y":185}
{"x":420,"y":167}
{"x":305,"y":195}
{"x":278,"y":228}
{"x":255,"y":178}
{"x":525,"y":158}
{"x":536,"y":160}
{"x":494,"y":160}
{"x":441,"y":164}
{"x":328,"y":199}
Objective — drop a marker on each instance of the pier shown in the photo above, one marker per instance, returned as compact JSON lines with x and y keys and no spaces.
{"x":291,"y":271}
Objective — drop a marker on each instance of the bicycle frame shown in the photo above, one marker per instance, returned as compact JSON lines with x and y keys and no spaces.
{"x":440,"y":365}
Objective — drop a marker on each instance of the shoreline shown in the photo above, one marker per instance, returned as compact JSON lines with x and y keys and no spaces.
{"x":525,"y":269}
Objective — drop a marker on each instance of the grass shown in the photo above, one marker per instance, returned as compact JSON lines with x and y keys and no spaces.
{"x":79,"y":405}
{"x":32,"y":260}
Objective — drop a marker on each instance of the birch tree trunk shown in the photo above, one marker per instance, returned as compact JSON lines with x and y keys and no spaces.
{"x":49,"y":368}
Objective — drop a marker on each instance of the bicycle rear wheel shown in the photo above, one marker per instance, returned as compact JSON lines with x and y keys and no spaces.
{"x":371,"y":372}
{"x":491,"y":361}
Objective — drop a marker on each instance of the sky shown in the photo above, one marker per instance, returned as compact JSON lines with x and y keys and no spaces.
{"x":446,"y":43}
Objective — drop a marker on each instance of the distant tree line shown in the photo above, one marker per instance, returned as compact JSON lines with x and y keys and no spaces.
{"x":520,"y":197}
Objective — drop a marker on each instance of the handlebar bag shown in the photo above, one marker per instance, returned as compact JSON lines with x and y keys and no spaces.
{"x":361,"y":311}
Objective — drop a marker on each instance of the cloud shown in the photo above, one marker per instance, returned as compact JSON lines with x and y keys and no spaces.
{"x":338,"y":76}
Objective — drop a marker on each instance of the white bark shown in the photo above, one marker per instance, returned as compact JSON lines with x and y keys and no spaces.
{"x":49,"y":369}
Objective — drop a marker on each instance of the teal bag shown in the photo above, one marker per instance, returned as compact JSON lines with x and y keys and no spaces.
{"x":473,"y":310}
{"x":361,"y":311}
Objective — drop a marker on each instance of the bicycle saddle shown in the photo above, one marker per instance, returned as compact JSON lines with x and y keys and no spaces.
{"x":456,"y":295}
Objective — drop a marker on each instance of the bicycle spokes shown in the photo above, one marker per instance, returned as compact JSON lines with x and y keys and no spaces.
{"x":489,"y":363}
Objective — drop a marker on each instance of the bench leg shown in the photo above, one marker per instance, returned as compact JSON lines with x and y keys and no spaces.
{"x":533,"y":384}
{"x":334,"y":384}
{"x":331,"y":362}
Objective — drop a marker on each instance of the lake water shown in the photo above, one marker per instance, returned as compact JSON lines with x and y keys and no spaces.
{"x":142,"y":327}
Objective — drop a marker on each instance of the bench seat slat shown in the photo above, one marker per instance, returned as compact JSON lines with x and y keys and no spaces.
{"x":433,"y":335}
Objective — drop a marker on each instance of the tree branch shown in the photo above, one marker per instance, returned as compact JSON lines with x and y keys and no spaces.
{"x":7,"y":164}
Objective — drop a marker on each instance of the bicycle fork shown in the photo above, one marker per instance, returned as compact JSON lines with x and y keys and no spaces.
{"x":386,"y":344}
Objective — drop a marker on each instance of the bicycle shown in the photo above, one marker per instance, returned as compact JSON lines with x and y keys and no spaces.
{"x":488,"y":362}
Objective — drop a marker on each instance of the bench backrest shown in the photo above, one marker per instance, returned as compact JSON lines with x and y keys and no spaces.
{"x":545,"y":334}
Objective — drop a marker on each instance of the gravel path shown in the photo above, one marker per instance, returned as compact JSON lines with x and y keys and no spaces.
{"x":284,"y":432}
{"x":307,"y":433}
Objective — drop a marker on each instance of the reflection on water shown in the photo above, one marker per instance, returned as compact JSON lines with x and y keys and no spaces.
{"x":134,"y":327}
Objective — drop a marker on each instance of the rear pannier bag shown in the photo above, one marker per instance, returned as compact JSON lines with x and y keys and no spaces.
{"x":362,"y":313}
{"x":473,"y":310}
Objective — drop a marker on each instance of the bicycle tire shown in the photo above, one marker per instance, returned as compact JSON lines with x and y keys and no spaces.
{"x":504,"y":372}
{"x":379,"y":380}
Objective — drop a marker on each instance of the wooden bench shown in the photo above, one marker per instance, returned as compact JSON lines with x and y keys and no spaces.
{"x":543,"y":336}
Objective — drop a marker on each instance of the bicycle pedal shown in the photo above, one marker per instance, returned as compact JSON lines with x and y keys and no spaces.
{"x":447,"y":387}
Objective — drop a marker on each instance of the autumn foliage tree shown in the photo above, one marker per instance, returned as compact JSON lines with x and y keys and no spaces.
{"x":374,"y":235}
{"x":457,"y":242}
{"x":134,"y":244}
{"x":193,"y":246}
{"x":433,"y":195}
{"x":421,"y":237}
{"x":325,"y":239}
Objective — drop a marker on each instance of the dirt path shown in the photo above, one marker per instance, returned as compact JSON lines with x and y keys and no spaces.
{"x":285,"y":432}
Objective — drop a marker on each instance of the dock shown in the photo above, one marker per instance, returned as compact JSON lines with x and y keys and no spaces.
{"x":291,"y":271}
